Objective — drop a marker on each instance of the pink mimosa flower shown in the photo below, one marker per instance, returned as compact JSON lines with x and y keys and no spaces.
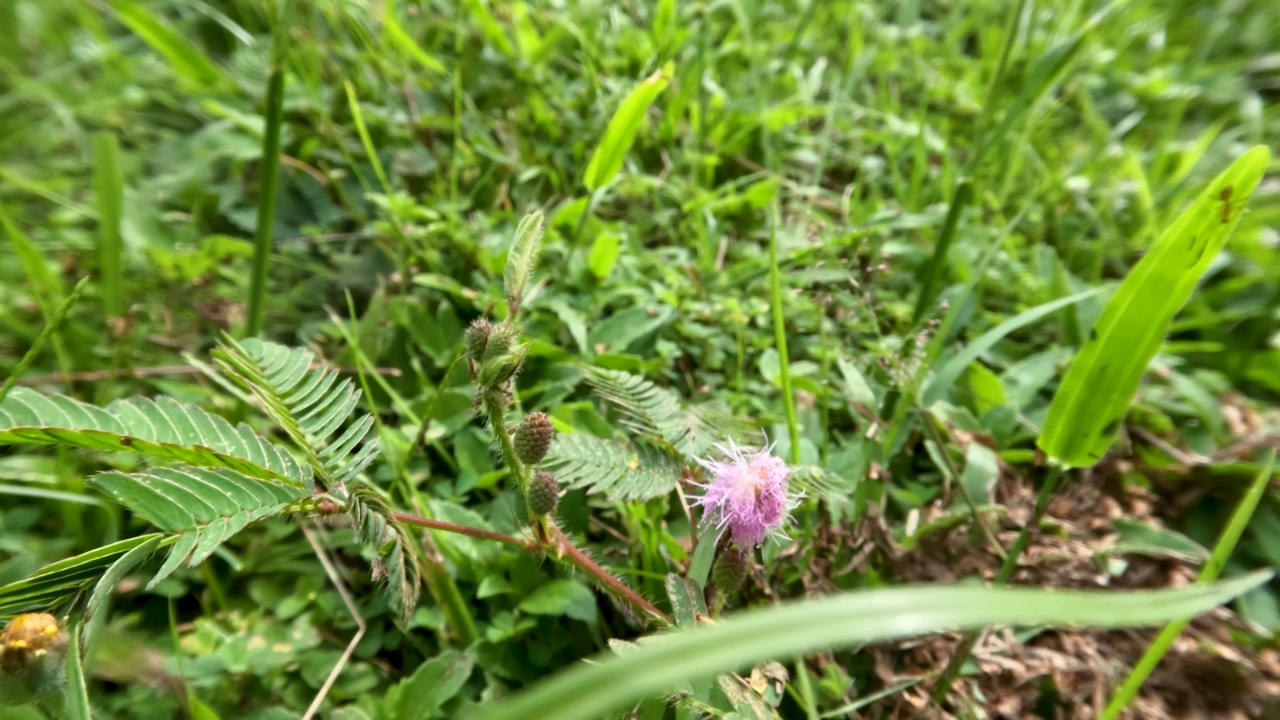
{"x":748,"y":493}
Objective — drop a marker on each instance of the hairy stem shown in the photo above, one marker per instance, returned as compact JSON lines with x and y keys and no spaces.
{"x":559,"y":546}
{"x":474,"y":532}
{"x":496,"y":410}
{"x":566,"y":551}
{"x":1007,"y":569}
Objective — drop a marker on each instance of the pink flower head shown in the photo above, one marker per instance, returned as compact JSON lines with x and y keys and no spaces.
{"x":748,"y":493}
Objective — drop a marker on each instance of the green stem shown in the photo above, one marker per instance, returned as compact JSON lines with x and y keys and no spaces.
{"x":1221,"y":552}
{"x":266,"y":200}
{"x":1007,"y":569}
{"x":987,"y":531}
{"x":780,"y":339}
{"x":445,"y":591}
{"x":108,"y":190}
{"x":496,"y":409}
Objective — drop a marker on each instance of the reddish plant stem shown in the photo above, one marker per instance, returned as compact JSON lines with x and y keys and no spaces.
{"x":465,"y":530}
{"x":554,"y":543}
{"x":567,"y":551}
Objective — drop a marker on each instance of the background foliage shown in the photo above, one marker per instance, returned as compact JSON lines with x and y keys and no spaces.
{"x":821,"y":143}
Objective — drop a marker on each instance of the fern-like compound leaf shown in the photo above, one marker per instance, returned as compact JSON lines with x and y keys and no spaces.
{"x":622,"y":469}
{"x":309,"y":404}
{"x":658,"y":413}
{"x":203,"y":507}
{"x":164,"y":429}
{"x":397,"y":563}
{"x":53,"y":586}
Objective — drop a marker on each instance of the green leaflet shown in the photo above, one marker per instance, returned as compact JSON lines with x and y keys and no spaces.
{"x":204,"y":506}
{"x":522,"y":258}
{"x":1094,"y":396}
{"x":310,"y":405}
{"x":588,"y":691}
{"x":161,"y":428}
{"x":58,"y":582}
{"x":621,"y":132}
{"x":622,"y":469}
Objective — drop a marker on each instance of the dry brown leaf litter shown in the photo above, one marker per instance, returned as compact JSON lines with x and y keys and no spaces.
{"x":1063,"y":674}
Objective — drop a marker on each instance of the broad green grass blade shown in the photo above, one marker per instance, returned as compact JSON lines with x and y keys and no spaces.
{"x":1094,"y":396}
{"x":591,"y":690}
{"x":946,"y":374}
{"x":1221,"y":552}
{"x":108,"y":189}
{"x":621,"y":132}
{"x":187,"y":60}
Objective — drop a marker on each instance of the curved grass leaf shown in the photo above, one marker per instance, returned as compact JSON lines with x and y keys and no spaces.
{"x":204,"y":507}
{"x":621,"y":469}
{"x":55,"y":584}
{"x":607,"y":160}
{"x":946,"y":374}
{"x":161,"y":428}
{"x":589,"y":691}
{"x":187,"y":60}
{"x":1095,"y":394}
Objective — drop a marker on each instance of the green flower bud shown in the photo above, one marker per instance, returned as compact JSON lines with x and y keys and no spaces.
{"x":544,"y":493}
{"x":501,"y":341}
{"x":477,"y":338}
{"x":730,"y":570}
{"x":533,"y":437}
{"x":497,"y":371}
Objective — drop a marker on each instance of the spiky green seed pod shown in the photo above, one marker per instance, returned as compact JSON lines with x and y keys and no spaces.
{"x":477,"y":339}
{"x":533,"y":437}
{"x":502,"y":340}
{"x":730,"y":570}
{"x":544,"y":493}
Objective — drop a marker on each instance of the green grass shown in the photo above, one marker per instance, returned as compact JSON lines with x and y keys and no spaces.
{"x":879,"y":231}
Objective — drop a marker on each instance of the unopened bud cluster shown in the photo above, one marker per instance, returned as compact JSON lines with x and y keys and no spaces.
{"x":494,"y":353}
